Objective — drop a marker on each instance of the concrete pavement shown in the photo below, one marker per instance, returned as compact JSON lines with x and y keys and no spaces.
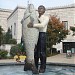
{"x":60,"y":58}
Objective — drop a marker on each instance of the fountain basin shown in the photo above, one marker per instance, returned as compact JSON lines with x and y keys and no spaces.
{"x":17,"y":69}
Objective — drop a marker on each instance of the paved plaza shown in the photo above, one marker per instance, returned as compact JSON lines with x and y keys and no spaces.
{"x":60,"y":58}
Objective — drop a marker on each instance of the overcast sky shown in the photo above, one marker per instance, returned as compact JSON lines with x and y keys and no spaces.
{"x":11,"y":4}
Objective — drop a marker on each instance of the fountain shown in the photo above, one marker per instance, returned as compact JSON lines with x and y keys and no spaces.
{"x":50,"y":70}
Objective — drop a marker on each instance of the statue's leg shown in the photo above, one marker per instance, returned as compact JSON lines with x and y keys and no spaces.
{"x":27,"y":66}
{"x":42,"y":52}
{"x":32,"y":67}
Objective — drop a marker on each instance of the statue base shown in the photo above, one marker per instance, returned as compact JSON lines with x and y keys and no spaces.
{"x":32,"y":67}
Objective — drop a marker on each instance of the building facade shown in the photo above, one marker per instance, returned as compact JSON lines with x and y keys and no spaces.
{"x":4,"y":14}
{"x":67,"y":16}
{"x":65,"y":13}
{"x":13,"y":21}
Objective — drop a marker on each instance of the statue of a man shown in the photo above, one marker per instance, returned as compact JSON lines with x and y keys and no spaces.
{"x":40,"y":50}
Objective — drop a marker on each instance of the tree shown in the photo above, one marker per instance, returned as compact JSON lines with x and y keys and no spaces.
{"x":1,"y":35}
{"x":7,"y":38}
{"x":55,"y":31}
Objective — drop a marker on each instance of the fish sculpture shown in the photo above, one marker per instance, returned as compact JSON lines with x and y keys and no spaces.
{"x":30,"y":35}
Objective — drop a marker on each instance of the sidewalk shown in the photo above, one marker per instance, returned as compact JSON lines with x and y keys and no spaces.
{"x":7,"y":60}
{"x":60,"y":58}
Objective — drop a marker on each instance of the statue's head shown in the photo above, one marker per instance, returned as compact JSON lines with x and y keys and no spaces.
{"x":41,"y":9}
{"x":31,"y":8}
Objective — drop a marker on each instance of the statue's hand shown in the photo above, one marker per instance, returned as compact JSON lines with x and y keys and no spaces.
{"x":30,"y":25}
{"x":39,"y":21}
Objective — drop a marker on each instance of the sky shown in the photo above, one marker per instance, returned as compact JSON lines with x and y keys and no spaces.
{"x":11,"y":4}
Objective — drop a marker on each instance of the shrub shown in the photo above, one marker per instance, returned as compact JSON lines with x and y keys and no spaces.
{"x":54,"y":50}
{"x":14,"y":50}
{"x":12,"y":41}
{"x":3,"y":54}
{"x":51,"y":52}
{"x":17,"y":49}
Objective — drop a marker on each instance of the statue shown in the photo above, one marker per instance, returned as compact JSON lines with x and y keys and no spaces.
{"x":29,"y":35}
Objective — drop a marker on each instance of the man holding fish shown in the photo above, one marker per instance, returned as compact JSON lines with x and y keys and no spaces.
{"x":40,"y":49}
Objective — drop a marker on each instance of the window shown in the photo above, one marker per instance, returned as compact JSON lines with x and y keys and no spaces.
{"x":65,"y":24}
{"x":14,"y":28}
{"x":11,"y":28}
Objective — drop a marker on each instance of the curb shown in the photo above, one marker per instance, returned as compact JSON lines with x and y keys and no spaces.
{"x":48,"y":63}
{"x":11,"y":64}
{"x":60,"y":64}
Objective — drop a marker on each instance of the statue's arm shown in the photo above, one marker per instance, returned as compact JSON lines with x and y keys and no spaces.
{"x":42,"y":24}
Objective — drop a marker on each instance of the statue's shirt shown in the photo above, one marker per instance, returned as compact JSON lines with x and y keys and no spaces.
{"x":42,"y":26}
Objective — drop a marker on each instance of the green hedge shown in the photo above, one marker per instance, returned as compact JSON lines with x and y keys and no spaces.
{"x":17,"y":49}
{"x":3,"y":54}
